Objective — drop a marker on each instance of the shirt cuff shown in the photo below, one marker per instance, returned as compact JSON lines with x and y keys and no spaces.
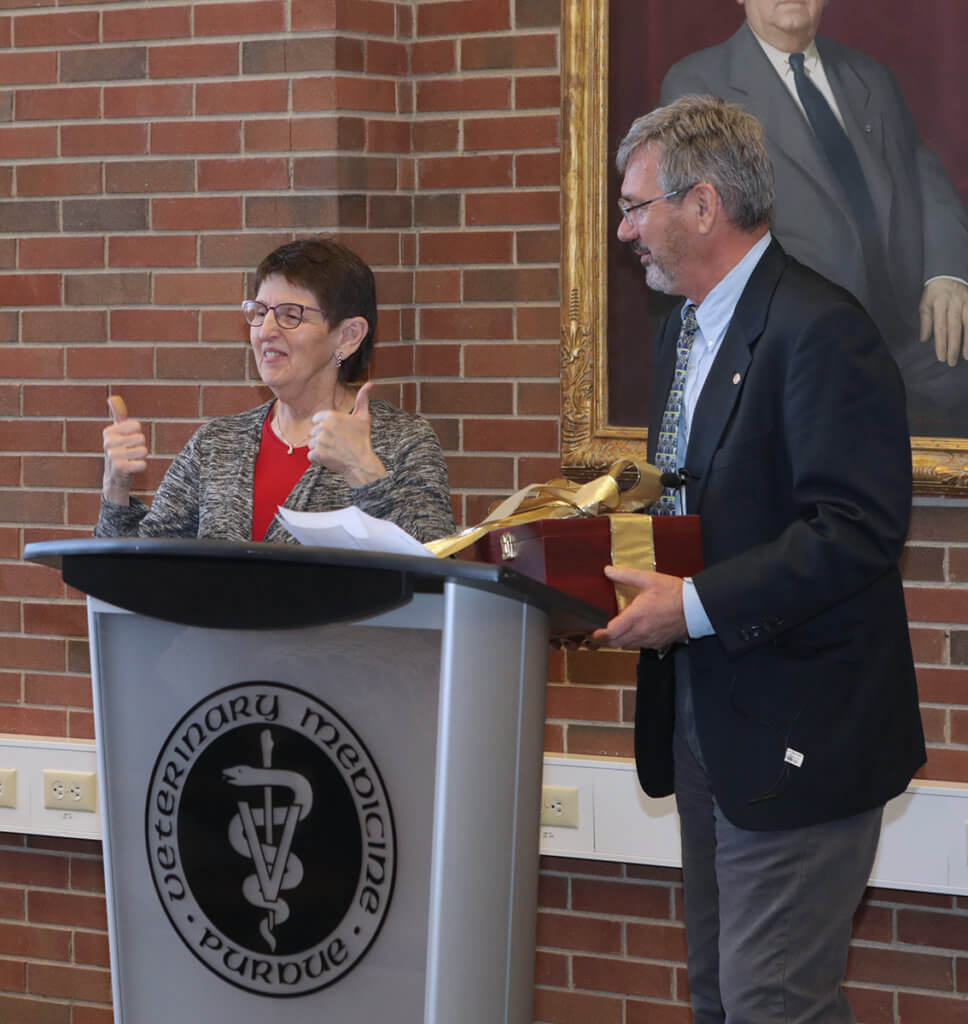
{"x":697,"y":621}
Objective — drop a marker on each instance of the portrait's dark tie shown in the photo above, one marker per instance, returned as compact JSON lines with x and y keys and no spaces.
{"x":836,"y":146}
{"x":667,"y":444}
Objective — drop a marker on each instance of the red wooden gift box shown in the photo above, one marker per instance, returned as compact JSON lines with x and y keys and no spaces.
{"x":570,"y":554}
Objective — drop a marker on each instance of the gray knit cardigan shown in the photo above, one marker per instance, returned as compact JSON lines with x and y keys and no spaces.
{"x":207,"y":491}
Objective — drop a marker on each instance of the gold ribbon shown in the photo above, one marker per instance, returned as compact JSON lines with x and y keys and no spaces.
{"x":561,"y":499}
{"x":633,"y":544}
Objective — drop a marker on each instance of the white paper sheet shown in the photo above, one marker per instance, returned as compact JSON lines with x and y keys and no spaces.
{"x":350,"y":528}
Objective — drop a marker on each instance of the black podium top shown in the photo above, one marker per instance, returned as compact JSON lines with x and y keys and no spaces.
{"x":243,"y":585}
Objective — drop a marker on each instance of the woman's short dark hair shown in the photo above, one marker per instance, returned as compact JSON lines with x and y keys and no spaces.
{"x":342,"y":283}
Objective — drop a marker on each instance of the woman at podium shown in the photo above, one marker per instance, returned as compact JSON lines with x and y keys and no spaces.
{"x":320,"y":444}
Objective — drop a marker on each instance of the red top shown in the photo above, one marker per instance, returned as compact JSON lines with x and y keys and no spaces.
{"x":276,"y":473}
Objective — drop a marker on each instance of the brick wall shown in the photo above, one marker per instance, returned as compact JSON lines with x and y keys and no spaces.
{"x":150,"y":154}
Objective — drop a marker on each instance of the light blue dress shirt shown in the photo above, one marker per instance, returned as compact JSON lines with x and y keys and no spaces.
{"x":713,"y":316}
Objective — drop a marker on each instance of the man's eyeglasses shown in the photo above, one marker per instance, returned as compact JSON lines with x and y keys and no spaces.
{"x":287,"y":314}
{"x":628,"y":210}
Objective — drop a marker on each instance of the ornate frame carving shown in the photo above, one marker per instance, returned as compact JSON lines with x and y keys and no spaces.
{"x":588,"y":442}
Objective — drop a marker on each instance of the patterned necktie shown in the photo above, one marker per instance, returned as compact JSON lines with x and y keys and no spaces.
{"x":667,"y":445}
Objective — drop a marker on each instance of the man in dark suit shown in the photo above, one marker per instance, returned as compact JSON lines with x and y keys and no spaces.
{"x":907,"y":260}
{"x":776,"y":690}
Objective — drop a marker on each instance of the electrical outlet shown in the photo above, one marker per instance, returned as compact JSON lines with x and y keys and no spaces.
{"x":559,"y":806}
{"x":8,"y":787}
{"x":70,"y":791}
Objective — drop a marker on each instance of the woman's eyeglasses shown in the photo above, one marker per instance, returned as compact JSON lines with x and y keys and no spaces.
{"x":287,"y":314}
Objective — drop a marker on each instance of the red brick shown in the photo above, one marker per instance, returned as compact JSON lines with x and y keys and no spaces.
{"x":199,"y":288}
{"x":533,"y":91}
{"x":435,"y":56}
{"x":142,"y":176}
{"x":29,"y":653}
{"x":512,"y":208}
{"x":107,"y":289}
{"x":68,"y":28}
{"x":57,"y":689}
{"x":522,"y":51}
{"x":511,"y":285}
{"x":536,"y":169}
{"x":582,"y":703}
{"x":464,"y":398}
{"x":914,"y":1008}
{"x":31,"y":363}
{"x":33,"y":1011}
{"x":110,"y":363}
{"x":226,"y":363}
{"x":496,"y":360}
{"x":608,"y":974}
{"x":61,"y":251}
{"x":463,"y":17}
{"x":465,"y":247}
{"x":147,"y":101}
{"x":240,"y":175}
{"x":936,"y":604}
{"x":539,"y":399}
{"x":151,"y":251}
{"x":193,"y":60}
{"x":195,"y":137}
{"x":261,"y":96}
{"x":364,"y":16}
{"x":600,"y":741}
{"x":30,"y":290}
{"x":28,"y":143}
{"x":510,"y":133}
{"x":343,"y":93}
{"x":515,"y":434}
{"x":91,"y":140}
{"x":247,"y":18}
{"x":463,"y":94}
{"x":437,"y":286}
{"x":462,"y":172}
{"x":28,"y":67}
{"x":146,"y":23}
{"x":385,"y":58}
{"x":343,"y":133}
{"x":154,"y":325}
{"x":464,"y":322}
{"x":900,"y":968}
{"x":196,"y":213}
{"x":591,"y":934}
{"x":946,"y":765}
{"x":345,"y":172}
{"x":57,"y":104}
{"x":70,"y":981}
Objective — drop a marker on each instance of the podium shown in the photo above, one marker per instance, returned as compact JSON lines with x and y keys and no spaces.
{"x":319,"y":777}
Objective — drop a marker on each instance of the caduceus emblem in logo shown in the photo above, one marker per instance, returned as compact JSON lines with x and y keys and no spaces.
{"x":265,"y":834}
{"x":270,"y":839}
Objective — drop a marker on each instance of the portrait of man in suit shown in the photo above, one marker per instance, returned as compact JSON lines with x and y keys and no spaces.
{"x":860,"y":196}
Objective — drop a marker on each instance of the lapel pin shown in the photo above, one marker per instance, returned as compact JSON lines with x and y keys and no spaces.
{"x":737,"y":377}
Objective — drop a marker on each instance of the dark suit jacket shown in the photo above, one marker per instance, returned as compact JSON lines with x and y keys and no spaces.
{"x":801,"y":476}
{"x":923,"y":223}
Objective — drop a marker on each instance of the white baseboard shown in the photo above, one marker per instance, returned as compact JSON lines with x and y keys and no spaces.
{"x":924,"y":842}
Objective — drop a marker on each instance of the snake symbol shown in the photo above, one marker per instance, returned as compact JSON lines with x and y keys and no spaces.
{"x":276,"y":867}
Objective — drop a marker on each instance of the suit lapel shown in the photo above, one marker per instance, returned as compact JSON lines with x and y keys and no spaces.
{"x":757,"y":87}
{"x":727,"y":375}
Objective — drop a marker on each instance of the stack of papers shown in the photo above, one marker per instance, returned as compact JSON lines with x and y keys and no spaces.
{"x":350,"y":528}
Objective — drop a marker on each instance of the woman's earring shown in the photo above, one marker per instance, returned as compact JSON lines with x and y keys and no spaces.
{"x":339,"y":360}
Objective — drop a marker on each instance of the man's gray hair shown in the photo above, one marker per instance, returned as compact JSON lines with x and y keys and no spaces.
{"x":705,"y":139}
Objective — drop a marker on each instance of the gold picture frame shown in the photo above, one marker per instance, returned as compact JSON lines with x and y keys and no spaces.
{"x":589,"y":441}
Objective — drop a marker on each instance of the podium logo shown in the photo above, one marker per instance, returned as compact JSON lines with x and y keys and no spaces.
{"x":270,"y":838}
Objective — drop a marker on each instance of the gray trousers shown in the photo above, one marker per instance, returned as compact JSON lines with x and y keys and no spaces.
{"x":768,"y":914}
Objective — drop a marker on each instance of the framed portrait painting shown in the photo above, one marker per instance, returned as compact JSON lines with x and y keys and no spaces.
{"x":895,"y":70}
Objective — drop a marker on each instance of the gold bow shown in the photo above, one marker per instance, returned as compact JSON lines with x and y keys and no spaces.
{"x":561,"y":499}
